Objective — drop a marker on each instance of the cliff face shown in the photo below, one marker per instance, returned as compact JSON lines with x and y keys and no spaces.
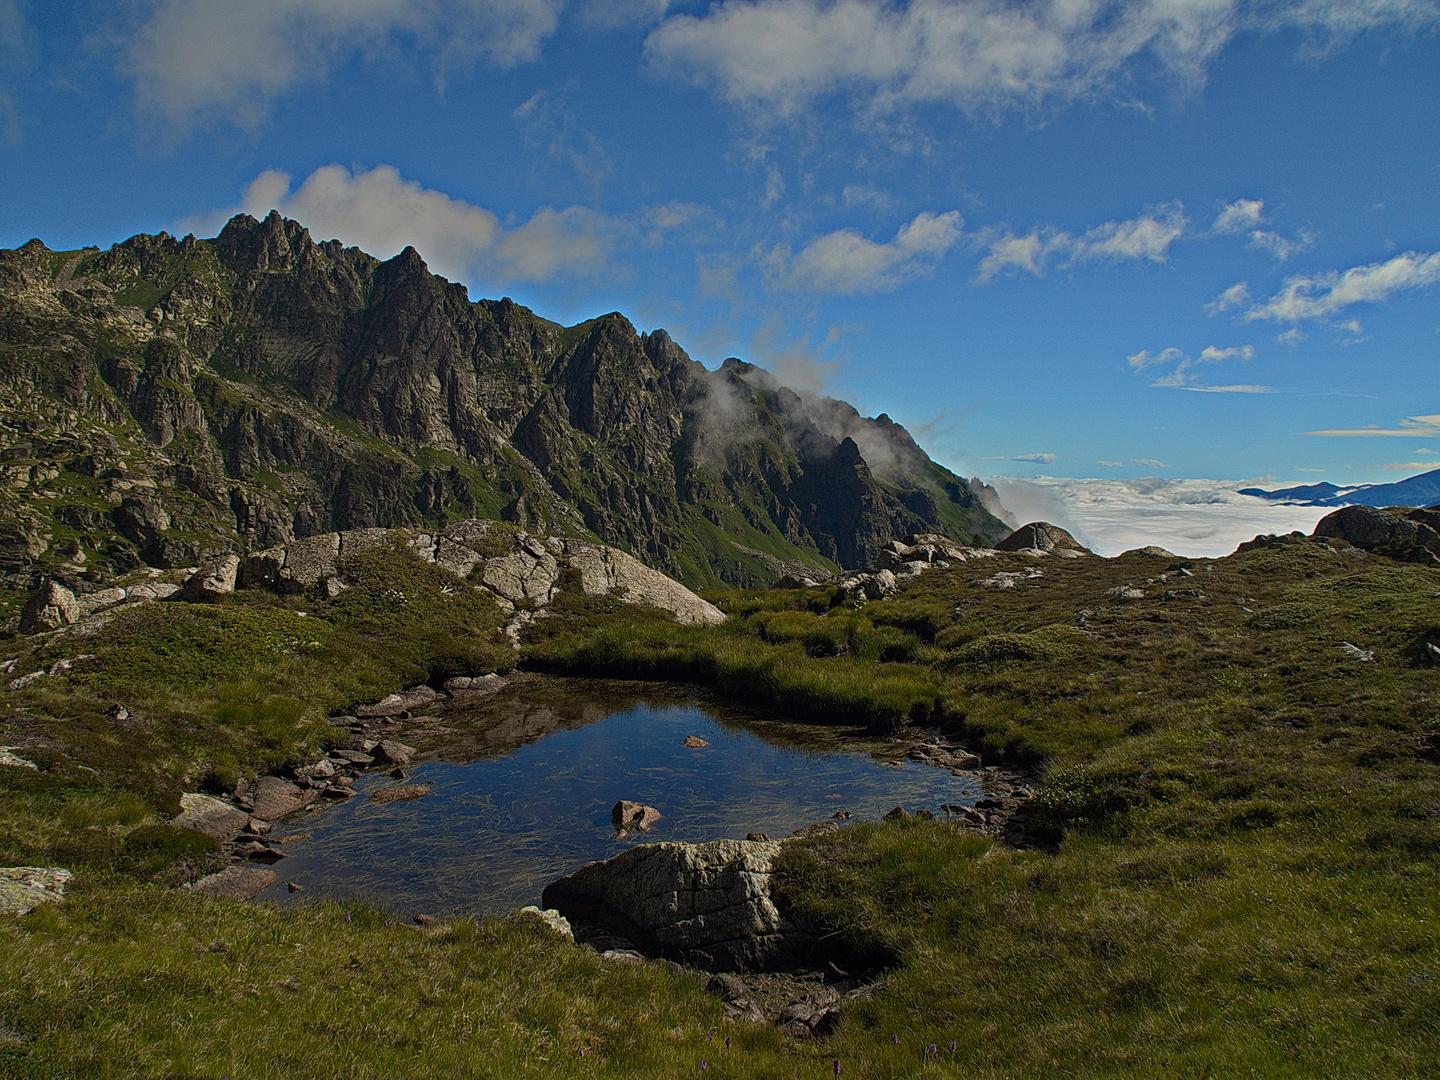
{"x":168,"y":399}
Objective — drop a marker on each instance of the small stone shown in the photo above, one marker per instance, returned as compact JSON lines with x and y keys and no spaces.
{"x":899,"y":813}
{"x":274,"y":798}
{"x":293,"y":887}
{"x":237,"y":882}
{"x":633,"y":815}
{"x":694,"y":742}
{"x":757,"y":836}
{"x":425,"y":920}
{"x":399,"y":793}
{"x":390,"y":752}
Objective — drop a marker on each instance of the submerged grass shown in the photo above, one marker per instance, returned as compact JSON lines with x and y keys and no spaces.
{"x":1243,"y":820}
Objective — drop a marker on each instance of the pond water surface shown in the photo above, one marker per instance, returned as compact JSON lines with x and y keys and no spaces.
{"x":523,"y":786}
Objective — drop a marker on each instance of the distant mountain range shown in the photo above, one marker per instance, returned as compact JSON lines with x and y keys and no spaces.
{"x":1421,"y":490}
{"x":168,"y":399}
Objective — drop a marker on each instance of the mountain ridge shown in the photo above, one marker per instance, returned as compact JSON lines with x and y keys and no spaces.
{"x":169,"y":398}
{"x":1420,"y":490}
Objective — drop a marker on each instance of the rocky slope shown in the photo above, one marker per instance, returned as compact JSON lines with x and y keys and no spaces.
{"x":167,"y":400}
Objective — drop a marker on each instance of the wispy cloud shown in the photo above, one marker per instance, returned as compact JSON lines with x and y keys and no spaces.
{"x":1409,"y":466}
{"x":1111,"y":464}
{"x":1147,"y":237}
{"x":190,"y":58}
{"x":1306,"y":297}
{"x":847,"y":263}
{"x":1035,"y":459}
{"x":1149,"y":463}
{"x":382,"y":212}
{"x":1239,"y":216}
{"x":1182,"y":374}
{"x":1246,"y":216}
{"x":1410,"y":427}
{"x":982,"y":56}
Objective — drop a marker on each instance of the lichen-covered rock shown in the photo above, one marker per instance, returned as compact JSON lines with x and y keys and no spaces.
{"x":307,"y":561}
{"x":211,"y":816}
{"x":213,"y":580}
{"x":24,"y":888}
{"x":708,"y":905}
{"x":49,"y":608}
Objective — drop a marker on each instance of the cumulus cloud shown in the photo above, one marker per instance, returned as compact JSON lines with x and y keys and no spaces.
{"x":847,"y":263}
{"x":1146,"y":237}
{"x":1320,"y":296}
{"x":382,"y":212}
{"x":985,"y":56}
{"x":1182,"y":375}
{"x":1237,"y":295}
{"x":1193,"y":518}
{"x":190,"y":57}
{"x":1410,"y":427}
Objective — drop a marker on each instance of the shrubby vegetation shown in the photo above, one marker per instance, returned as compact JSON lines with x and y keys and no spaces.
{"x":1238,"y":830}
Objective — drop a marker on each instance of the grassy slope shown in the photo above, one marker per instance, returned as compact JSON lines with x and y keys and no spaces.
{"x":1245,"y":881}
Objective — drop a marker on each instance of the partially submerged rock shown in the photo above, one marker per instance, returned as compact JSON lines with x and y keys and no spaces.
{"x":629,"y":815}
{"x":707,"y":905}
{"x":24,"y":888}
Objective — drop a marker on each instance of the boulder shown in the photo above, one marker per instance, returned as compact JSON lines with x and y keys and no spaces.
{"x":237,"y":882}
{"x":262,"y":569}
{"x":552,"y":919}
{"x":390,"y":752}
{"x":274,"y":798}
{"x":214,"y":579}
{"x":1041,"y":536}
{"x":307,"y":561}
{"x":213,"y":817}
{"x":629,"y":815}
{"x":468,"y":686}
{"x":24,"y":888}
{"x":49,"y":608}
{"x":1409,"y":535}
{"x":707,"y":905}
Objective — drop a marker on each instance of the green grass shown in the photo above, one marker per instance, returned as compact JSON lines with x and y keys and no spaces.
{"x":1238,"y":876}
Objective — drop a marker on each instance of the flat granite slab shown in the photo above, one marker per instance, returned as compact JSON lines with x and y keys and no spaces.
{"x":237,"y":882}
{"x":24,"y":888}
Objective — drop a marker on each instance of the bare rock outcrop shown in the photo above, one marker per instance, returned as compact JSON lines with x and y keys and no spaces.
{"x":1408,"y":535}
{"x":49,"y":608}
{"x":24,"y":888}
{"x":707,"y":905}
{"x":1041,"y":536}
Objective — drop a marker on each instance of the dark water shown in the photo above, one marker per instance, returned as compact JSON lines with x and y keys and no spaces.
{"x":524,"y":784}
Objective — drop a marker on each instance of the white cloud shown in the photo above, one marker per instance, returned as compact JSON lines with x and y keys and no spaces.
{"x":1148,"y":237}
{"x":980,"y":55}
{"x":1411,"y":427}
{"x":1323,"y":295}
{"x":1183,"y":377}
{"x":1193,"y":518}
{"x":382,"y":213}
{"x":1111,"y":464}
{"x":1149,"y":463}
{"x":1282,"y":247}
{"x":847,"y":263}
{"x":1035,"y":459}
{"x":1239,"y":216}
{"x":1236,"y":296}
{"x":192,"y":57}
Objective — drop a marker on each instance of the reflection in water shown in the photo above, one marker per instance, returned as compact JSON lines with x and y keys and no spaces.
{"x":524,"y":782}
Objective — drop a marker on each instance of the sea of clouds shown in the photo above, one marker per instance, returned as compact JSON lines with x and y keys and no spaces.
{"x":1194,"y":518}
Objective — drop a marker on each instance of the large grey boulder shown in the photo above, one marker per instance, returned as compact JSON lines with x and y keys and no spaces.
{"x":307,"y":561}
{"x":1041,"y":536}
{"x":49,"y":608}
{"x":213,"y":580}
{"x":707,"y":905}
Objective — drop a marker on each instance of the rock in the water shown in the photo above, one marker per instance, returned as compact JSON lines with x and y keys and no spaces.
{"x":399,"y":793}
{"x":24,"y":888}
{"x":694,"y":742}
{"x":708,"y":905}
{"x":390,"y":752}
{"x":213,"y":580}
{"x":466,"y":686}
{"x":633,"y":815}
{"x":237,"y":882}
{"x":50,"y":607}
{"x":274,"y":798}
{"x":1041,"y":536}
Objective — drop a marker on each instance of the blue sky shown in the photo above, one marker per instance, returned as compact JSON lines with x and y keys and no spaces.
{"x":1168,"y":238}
